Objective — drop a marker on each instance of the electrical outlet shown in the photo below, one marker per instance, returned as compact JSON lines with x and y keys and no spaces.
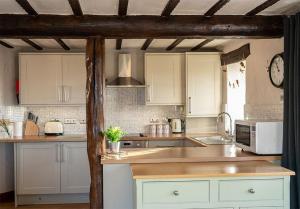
{"x":70,"y":121}
{"x":82,"y":121}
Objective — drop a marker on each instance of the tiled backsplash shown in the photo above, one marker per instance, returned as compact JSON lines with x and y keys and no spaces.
{"x":264,"y":111}
{"x":124,"y":107}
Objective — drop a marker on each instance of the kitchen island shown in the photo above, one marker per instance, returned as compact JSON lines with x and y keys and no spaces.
{"x":125,"y":174}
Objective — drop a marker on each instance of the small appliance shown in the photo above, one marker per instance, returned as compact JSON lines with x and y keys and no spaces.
{"x":54,"y":128}
{"x":176,"y":125}
{"x":263,"y":137}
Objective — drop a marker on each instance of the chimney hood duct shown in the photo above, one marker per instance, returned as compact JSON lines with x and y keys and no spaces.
{"x":124,"y":78}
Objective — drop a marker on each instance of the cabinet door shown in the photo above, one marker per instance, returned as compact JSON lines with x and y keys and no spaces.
{"x":38,"y":168}
{"x":74,"y":78}
{"x":164,"y":79}
{"x":203,"y":80}
{"x":75,"y":175}
{"x":40,"y":79}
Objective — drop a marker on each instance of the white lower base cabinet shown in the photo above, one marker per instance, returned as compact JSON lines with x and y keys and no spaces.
{"x":52,"y":172}
{"x":213,"y":193}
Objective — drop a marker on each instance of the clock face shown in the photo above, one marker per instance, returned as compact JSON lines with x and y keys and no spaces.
{"x":276,"y":71}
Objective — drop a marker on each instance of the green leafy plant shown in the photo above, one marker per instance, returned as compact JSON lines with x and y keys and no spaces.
{"x":4,"y":124}
{"x":114,"y":134}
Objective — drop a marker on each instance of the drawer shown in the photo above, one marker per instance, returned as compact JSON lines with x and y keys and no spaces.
{"x":251,"y":190}
{"x":176,"y":192}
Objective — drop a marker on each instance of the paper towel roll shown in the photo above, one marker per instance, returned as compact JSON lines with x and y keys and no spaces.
{"x":18,"y":129}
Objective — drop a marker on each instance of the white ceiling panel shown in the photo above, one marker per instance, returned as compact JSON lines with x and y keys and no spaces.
{"x":58,"y":7}
{"x":10,"y":7}
{"x":186,"y":43}
{"x":16,"y":42}
{"x":192,"y":7}
{"x":47,"y":43}
{"x":99,"y":7}
{"x":75,"y":43}
{"x":161,"y":43}
{"x":283,"y":7}
{"x":239,"y":7}
{"x":146,"y":7}
{"x":133,"y":43}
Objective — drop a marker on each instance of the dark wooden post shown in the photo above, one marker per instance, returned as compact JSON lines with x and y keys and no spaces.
{"x":95,"y":117}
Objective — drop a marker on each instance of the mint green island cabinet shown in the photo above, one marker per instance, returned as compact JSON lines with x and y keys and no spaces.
{"x":216,"y":185}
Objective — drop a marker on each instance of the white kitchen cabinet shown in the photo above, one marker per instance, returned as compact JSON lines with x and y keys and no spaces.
{"x":38,"y":168}
{"x":164,"y":74}
{"x":75,"y":175}
{"x":203,"y":84}
{"x":52,"y":78}
{"x":40,"y":78}
{"x":74,"y":78}
{"x":52,"y":168}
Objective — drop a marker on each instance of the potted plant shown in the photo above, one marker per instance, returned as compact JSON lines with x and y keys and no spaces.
{"x":114,"y":135}
{"x":6,"y":126}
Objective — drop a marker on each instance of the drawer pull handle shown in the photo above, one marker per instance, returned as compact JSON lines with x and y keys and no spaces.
{"x":252,"y":191}
{"x":176,"y":193}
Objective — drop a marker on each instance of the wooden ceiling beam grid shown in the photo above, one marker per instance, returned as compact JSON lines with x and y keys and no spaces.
{"x":62,"y":44}
{"x":122,"y":12}
{"x":261,"y":7}
{"x":169,"y":8}
{"x":27,"y":7}
{"x":118,"y":44}
{"x":174,"y":44}
{"x":31,"y":43}
{"x":146,"y":44}
{"x":134,"y":27}
{"x":216,"y":7}
{"x":203,"y":43}
{"x":76,"y":8}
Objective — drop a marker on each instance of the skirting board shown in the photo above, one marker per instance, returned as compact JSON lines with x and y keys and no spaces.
{"x":52,"y":199}
{"x":7,"y":196}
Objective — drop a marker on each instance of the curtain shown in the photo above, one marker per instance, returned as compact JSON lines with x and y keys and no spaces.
{"x":291,"y":124}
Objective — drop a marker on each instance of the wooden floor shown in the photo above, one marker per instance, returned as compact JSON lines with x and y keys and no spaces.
{"x":65,"y":206}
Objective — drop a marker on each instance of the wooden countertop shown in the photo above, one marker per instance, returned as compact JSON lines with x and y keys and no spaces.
{"x":211,"y":169}
{"x":210,"y":153}
{"x":43,"y":138}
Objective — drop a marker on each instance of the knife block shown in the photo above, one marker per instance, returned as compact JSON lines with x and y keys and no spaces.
{"x":31,"y":129}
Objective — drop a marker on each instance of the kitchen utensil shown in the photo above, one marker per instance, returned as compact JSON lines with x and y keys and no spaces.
{"x":31,"y":129}
{"x":54,"y":128}
{"x":159,"y":128}
{"x":176,"y":125}
{"x":152,"y":129}
{"x":166,"y":129}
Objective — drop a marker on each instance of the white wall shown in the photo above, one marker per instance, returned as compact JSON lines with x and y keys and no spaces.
{"x":8,"y":75}
{"x":262,"y":98}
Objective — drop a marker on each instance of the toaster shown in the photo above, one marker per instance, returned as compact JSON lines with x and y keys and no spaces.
{"x":54,"y":128}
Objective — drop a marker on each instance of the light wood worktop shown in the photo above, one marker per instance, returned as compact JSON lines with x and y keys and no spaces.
{"x":43,"y":138}
{"x":210,"y":169}
{"x":210,"y":153}
{"x":171,"y":136}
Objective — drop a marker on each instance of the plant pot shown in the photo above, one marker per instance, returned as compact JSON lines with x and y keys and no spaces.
{"x":115,"y":147}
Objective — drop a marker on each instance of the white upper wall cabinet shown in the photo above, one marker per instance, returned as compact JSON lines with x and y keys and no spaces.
{"x":164,"y":74}
{"x":203,"y":84}
{"x":52,"y":78}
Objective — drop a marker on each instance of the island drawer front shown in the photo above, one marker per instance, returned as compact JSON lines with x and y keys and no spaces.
{"x":176,"y":192}
{"x":251,"y":190}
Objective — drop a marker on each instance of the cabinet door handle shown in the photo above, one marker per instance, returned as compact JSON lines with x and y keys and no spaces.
{"x":190,"y":105}
{"x":66,"y":93}
{"x":57,"y":153}
{"x":148,"y":93}
{"x":252,"y":191}
{"x":63,"y":153}
{"x":176,"y":193}
{"x":59,"y":92}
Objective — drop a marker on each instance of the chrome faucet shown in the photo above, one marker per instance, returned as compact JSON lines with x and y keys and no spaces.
{"x":230,"y":134}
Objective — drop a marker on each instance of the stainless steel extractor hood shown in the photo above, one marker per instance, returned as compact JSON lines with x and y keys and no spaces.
{"x":124,"y":78}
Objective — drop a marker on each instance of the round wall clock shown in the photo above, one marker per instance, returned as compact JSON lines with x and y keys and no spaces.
{"x":276,"y":71}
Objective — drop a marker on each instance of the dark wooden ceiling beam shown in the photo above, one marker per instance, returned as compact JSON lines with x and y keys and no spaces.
{"x":216,"y":7}
{"x":31,"y":43}
{"x":68,"y":26}
{"x":76,"y":8}
{"x":27,"y":7}
{"x":123,"y":5}
{"x":262,"y":7}
{"x":146,"y":44}
{"x":118,"y":44}
{"x":203,"y":43}
{"x":62,"y":44}
{"x":169,"y":8}
{"x":6,"y":45}
{"x":174,"y":44}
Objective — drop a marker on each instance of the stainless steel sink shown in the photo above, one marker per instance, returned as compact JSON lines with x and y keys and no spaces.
{"x":214,"y":140}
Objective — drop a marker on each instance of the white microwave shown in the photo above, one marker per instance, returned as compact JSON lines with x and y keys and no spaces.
{"x":258,"y":136}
